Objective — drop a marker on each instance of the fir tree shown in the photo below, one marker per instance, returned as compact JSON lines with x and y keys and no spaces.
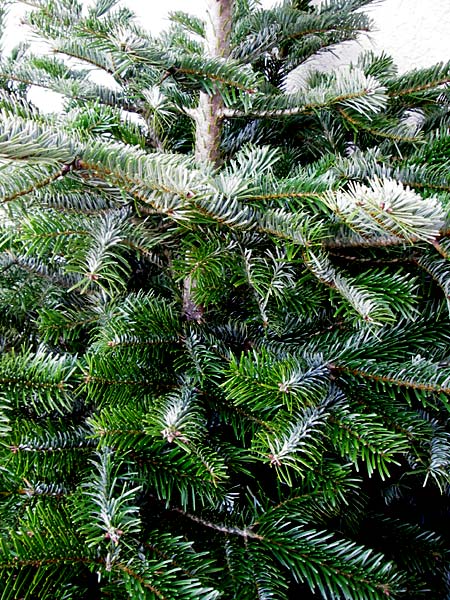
{"x":224,"y":292}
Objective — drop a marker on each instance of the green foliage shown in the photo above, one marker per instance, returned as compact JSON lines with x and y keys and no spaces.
{"x":229,"y":379}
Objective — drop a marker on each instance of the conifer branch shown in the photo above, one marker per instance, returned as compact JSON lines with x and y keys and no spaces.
{"x":225,"y":529}
{"x":244,"y":334}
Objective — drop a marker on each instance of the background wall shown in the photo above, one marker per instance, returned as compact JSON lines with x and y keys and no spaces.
{"x":415,"y":32}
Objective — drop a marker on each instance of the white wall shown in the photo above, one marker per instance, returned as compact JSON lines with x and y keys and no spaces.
{"x":415,"y":32}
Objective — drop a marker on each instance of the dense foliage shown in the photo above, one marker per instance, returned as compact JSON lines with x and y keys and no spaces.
{"x":224,"y":311}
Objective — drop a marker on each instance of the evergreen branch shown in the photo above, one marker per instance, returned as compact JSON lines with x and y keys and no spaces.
{"x":254,"y":573}
{"x":38,"y":269}
{"x":287,"y":195}
{"x":349,"y":89}
{"x":438,"y":465}
{"x":106,"y":511}
{"x":420,"y":80}
{"x":264,"y":30}
{"x":370,"y":303}
{"x":24,"y":140}
{"x":222,"y":528}
{"x":387,"y":208}
{"x":88,"y":379}
{"x":180,"y":554}
{"x":36,"y":185}
{"x":377,"y":132}
{"x":57,"y":324}
{"x":49,"y":375}
{"x":304,"y":552}
{"x":246,"y":416}
{"x":398,"y":417}
{"x":190,"y":478}
{"x":355,"y":241}
{"x":50,"y":439}
{"x":261,"y":382}
{"x":418,"y":374}
{"x":295,"y":444}
{"x":427,"y":545}
{"x":179,"y":418}
{"x":42,"y":562}
{"x":80,"y":91}
{"x":141,"y":320}
{"x":141,"y":580}
{"x":175,"y":319}
{"x":365,"y":436}
{"x":439,"y":270}
{"x":269,"y":277}
{"x":39,"y":490}
{"x":220,"y":72}
{"x":101,"y":263}
{"x":165,"y":584}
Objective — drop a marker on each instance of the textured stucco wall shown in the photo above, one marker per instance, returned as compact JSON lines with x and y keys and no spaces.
{"x":415,"y":32}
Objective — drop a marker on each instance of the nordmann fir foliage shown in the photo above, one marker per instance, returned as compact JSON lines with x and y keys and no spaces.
{"x":224,"y":311}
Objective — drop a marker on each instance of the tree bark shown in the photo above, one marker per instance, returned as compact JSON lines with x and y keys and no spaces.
{"x":209,"y":114}
{"x":208,"y":118}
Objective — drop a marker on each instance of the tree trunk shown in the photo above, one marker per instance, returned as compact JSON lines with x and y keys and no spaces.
{"x":208,"y":118}
{"x":209,"y":113}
